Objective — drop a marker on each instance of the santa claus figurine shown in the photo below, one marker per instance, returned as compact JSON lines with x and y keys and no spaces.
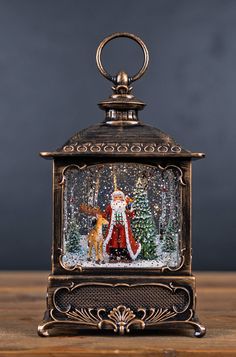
{"x":119,"y":242}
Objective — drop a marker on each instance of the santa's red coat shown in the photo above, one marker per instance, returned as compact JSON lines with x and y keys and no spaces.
{"x":120,"y":237}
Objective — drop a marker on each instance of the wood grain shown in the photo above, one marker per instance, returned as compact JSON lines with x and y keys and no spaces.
{"x":22,"y":303}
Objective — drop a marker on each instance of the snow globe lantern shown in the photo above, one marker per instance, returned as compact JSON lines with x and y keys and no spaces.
{"x":121,"y":256}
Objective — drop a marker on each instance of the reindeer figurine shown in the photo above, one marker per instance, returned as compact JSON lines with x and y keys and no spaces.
{"x":95,"y":236}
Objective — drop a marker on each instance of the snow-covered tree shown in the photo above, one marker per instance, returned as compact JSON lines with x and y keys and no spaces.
{"x":169,"y":238}
{"x":73,"y":238}
{"x":143,"y":224}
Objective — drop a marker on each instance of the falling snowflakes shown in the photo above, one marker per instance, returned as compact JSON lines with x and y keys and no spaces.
{"x":94,"y":186}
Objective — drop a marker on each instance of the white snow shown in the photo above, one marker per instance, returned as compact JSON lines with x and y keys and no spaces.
{"x":163,"y":258}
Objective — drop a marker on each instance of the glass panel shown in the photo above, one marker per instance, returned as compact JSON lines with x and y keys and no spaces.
{"x":122,"y":215}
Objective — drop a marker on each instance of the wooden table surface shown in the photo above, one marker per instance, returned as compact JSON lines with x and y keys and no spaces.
{"x":22,"y":303}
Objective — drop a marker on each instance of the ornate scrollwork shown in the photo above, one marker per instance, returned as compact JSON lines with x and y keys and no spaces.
{"x":123,"y":148}
{"x":181,"y":264}
{"x":175,"y":167}
{"x":86,"y":316}
{"x":62,"y":181}
{"x":69,"y":148}
{"x":156,"y":316}
{"x":122,"y":318}
{"x":69,"y":268}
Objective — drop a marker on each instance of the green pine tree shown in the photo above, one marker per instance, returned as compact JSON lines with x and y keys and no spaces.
{"x":143,"y":224}
{"x":73,"y":238}
{"x":169,"y":238}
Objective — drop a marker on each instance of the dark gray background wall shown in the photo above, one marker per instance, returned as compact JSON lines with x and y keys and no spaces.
{"x":49,"y":87}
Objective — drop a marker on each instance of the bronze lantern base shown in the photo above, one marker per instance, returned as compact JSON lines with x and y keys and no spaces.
{"x":119,"y":304}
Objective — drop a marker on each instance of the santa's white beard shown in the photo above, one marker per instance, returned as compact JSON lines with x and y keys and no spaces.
{"x":118,"y":206}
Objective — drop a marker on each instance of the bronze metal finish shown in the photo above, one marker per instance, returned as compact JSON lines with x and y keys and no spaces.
{"x":122,"y":77}
{"x":122,"y":107}
{"x":109,"y":298}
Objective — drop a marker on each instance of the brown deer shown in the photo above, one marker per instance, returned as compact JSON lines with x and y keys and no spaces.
{"x":95,"y":236}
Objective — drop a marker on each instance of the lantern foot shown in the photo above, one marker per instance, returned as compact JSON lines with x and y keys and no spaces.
{"x":200,"y":330}
{"x":57,"y":328}
{"x":43,"y":329}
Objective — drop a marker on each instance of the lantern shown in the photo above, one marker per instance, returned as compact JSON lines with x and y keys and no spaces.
{"x":121,"y":255}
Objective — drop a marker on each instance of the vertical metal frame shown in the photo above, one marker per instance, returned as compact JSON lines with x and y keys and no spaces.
{"x":57,"y":216}
{"x":186,"y":167}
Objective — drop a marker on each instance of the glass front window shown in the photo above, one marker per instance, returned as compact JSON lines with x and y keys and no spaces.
{"x":122,"y":215}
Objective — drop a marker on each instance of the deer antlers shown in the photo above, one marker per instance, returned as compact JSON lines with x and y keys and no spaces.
{"x":91,"y":211}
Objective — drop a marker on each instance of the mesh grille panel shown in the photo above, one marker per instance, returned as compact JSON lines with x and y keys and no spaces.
{"x":134,"y":297}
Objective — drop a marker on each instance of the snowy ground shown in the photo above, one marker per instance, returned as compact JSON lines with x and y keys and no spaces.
{"x":163,"y":259}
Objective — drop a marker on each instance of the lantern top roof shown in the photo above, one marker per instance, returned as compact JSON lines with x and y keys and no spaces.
{"x":122,"y":140}
{"x":122,"y":133}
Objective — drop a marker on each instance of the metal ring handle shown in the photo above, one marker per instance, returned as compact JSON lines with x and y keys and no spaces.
{"x":132,"y":37}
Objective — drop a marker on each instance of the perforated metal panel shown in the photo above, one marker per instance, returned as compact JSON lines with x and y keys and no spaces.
{"x":149,"y":296}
